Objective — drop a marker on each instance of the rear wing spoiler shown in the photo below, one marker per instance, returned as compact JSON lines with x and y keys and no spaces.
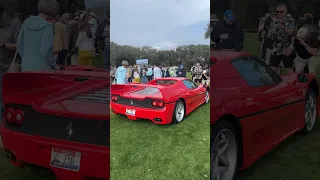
{"x":24,"y":81}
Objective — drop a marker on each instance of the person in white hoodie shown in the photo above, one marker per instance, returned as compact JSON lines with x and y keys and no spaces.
{"x":157,"y":72}
{"x":85,"y":41}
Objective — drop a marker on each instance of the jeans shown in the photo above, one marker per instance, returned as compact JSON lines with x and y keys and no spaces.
{"x":144,"y":79}
{"x":107,"y":56}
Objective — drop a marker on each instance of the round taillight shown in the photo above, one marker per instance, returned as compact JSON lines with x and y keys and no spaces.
{"x":9,"y":114}
{"x":114,"y":98}
{"x":18,"y":116}
{"x":154,"y":103}
{"x":161,"y":104}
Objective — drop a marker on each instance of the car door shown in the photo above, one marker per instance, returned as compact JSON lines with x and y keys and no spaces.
{"x":284,"y":100}
{"x":199,"y":94}
{"x":190,"y":94}
{"x":262,"y":110}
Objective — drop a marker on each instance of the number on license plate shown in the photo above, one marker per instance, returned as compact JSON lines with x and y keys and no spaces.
{"x":131,"y":112}
{"x":65,"y":159}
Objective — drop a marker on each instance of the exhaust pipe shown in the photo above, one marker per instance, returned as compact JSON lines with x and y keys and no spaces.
{"x":10,"y":156}
{"x":7,"y":156}
{"x":157,"y":119}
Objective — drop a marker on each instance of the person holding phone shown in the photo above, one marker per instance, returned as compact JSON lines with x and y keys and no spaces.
{"x":228,"y":33}
{"x":306,"y":47}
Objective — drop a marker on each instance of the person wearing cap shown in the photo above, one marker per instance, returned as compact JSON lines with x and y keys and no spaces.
{"x":306,"y":48}
{"x":121,"y":73}
{"x":181,"y":71}
{"x":281,"y":31}
{"x":228,"y":33}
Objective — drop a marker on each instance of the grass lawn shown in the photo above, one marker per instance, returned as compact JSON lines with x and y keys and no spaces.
{"x":297,"y":158}
{"x":143,"y":150}
{"x":9,"y":172}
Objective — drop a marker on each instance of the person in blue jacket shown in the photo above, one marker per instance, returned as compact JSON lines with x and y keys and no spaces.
{"x":35,"y":40}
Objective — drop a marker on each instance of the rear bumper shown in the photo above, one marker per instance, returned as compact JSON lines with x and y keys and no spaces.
{"x":143,"y":113}
{"x":35,"y":150}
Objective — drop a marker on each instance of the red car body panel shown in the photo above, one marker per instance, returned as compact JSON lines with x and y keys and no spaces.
{"x":51,"y":100}
{"x":264,"y":116}
{"x":168,"y":93}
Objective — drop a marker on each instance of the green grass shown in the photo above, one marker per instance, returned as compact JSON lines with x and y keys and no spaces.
{"x":143,"y":150}
{"x":9,"y":172}
{"x":297,"y":158}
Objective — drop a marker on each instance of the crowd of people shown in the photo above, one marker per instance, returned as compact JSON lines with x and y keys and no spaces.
{"x":285,"y":41}
{"x":49,"y":39}
{"x":126,"y":73}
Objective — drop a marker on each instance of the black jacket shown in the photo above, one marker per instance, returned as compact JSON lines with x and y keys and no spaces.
{"x":236,"y":36}
{"x":181,"y":73}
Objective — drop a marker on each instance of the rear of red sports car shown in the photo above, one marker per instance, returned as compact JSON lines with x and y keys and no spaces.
{"x":142,"y":102}
{"x":59,"y":121}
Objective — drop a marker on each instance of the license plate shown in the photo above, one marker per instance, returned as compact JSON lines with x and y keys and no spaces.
{"x":65,"y":159}
{"x":131,"y":112}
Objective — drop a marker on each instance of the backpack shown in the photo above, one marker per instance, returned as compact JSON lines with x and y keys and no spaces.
{"x":100,"y":38}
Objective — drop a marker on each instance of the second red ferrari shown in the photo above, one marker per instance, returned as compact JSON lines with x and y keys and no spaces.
{"x":163,"y":101}
{"x":254,"y":109}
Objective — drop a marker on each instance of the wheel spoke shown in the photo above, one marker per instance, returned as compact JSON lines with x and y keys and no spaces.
{"x":224,"y":160}
{"x":223,"y":145}
{"x":223,"y":156}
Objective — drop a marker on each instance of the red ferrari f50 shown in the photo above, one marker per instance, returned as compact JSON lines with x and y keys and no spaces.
{"x":58,"y":120}
{"x":163,"y":101}
{"x":254,"y":109}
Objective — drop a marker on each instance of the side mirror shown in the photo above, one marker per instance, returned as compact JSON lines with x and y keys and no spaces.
{"x":302,"y":78}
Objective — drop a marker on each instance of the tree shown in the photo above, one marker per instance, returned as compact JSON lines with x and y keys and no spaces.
{"x":187,"y":55}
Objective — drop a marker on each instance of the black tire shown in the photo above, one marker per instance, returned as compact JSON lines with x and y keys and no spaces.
{"x":174,"y":119}
{"x":310,"y":92}
{"x":215,"y":130}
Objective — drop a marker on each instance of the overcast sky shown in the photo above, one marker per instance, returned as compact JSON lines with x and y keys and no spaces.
{"x":162,"y":24}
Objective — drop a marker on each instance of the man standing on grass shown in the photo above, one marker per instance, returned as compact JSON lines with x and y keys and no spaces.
{"x":157,"y":72}
{"x":228,"y":33}
{"x":307,"y":21}
{"x":306,"y":46}
{"x":281,"y":31}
